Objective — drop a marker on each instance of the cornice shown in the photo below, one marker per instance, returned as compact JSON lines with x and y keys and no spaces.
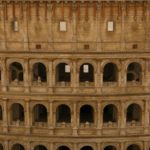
{"x":74,"y":1}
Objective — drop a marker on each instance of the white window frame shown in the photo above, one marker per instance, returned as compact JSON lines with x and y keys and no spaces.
{"x":15,"y":26}
{"x":67,"y":69}
{"x":62,"y":26}
{"x":86,"y":68}
{"x":110,"y":26}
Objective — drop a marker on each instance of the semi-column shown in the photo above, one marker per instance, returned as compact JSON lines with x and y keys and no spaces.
{"x":50,"y":76}
{"x":99,"y":118}
{"x":122,"y":146}
{"x":6,"y":145}
{"x":98,"y":25}
{"x":4,"y":75}
{"x":26,"y":75}
{"x":75,"y":77}
{"x":5,"y":115}
{"x":74,"y":119}
{"x":146,"y":116}
{"x":122,"y":118}
{"x":146,"y":147}
{"x":28,"y":117}
{"x":122,"y":74}
{"x":74,"y":28}
{"x":123,"y":11}
{"x":51,"y":115}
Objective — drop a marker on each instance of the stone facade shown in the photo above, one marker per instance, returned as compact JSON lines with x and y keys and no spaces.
{"x":74,"y":75}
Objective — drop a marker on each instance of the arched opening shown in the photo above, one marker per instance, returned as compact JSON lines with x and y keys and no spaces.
{"x":134,"y":113}
{"x":40,"y":147}
{"x":39,"y":72}
{"x":87,"y":148}
{"x":63,"y":73}
{"x":17,"y":112}
{"x":1,"y":147}
{"x":86,"y":114}
{"x":110,"y":147}
{"x":63,"y":148}
{"x":134,"y":72}
{"x":63,"y":114}
{"x":110,"y":113}
{"x":110,"y":73}
{"x":40,"y":113}
{"x":86,"y":73}
{"x":16,"y":72}
{"x":133,"y":147}
{"x":1,"y":113}
{"x":18,"y":147}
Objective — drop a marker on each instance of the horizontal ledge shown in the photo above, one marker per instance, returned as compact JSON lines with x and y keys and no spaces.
{"x":74,"y":1}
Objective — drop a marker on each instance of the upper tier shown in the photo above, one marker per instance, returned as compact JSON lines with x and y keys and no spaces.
{"x":75,"y":27}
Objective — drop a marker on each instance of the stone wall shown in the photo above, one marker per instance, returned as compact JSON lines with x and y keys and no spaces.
{"x":30,"y":33}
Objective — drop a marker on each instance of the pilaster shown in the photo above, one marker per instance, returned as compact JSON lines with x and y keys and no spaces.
{"x":98,"y":26}
{"x":98,"y":83}
{"x":24,"y":20}
{"x":4,"y":78}
{"x":50,"y":76}
{"x":75,"y":77}
{"x":26,"y":75}
{"x":6,"y":145}
{"x":74,"y":119}
{"x":28,"y":117}
{"x":122,"y":74}
{"x":123,"y":43}
{"x":75,"y":147}
{"x":51,"y":115}
{"x":74,"y":28}
{"x":53,"y":76}
{"x":5,"y":115}
{"x":145,"y":145}
{"x":122,"y":146}
{"x":99,"y":118}
{"x":146,"y":116}
{"x":122,"y":118}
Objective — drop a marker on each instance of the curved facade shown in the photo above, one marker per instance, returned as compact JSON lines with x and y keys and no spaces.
{"x":74,"y":75}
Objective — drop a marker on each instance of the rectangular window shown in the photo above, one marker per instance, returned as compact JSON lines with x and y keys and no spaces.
{"x":110,"y":26}
{"x":15,"y":26}
{"x":85,"y":68}
{"x":63,"y":26}
{"x":67,"y":68}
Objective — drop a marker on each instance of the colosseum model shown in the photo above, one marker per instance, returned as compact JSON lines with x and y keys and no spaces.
{"x":74,"y":75}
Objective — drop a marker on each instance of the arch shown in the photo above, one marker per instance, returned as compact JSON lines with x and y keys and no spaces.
{"x":63,"y":114}
{"x":39,"y":72}
{"x":63,"y":73}
{"x":110,"y":113}
{"x":86,"y":73}
{"x":18,"y":147}
{"x":134,"y":72}
{"x":39,"y":113}
{"x":40,"y":147}
{"x":110,"y":147}
{"x":133,"y":147}
{"x":17,"y":112}
{"x":110,"y":73}
{"x":63,"y":148}
{"x":1,"y":113}
{"x":86,"y":114}
{"x":134,"y":113}
{"x":87,"y":148}
{"x":16,"y":71}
